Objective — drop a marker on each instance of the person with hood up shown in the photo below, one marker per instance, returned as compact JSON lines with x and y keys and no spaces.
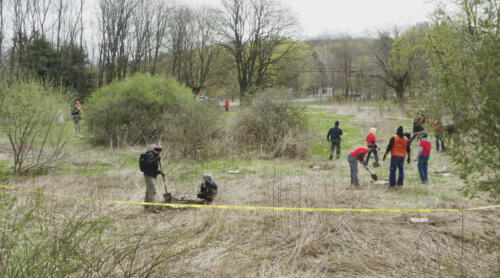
{"x":207,"y":189}
{"x":424,"y":152}
{"x":399,"y":147}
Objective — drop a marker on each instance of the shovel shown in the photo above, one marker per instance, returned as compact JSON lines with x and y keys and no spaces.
{"x":167,"y":197}
{"x":373,"y":175}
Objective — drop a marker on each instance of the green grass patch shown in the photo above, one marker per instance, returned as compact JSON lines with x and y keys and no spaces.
{"x":320,"y":123}
{"x":87,"y":170}
{"x":5,"y":170}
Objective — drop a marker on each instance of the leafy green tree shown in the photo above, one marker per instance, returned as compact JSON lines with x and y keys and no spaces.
{"x":40,"y":58}
{"x":465,"y":67}
{"x":68,"y":66}
{"x":73,"y":71}
{"x":397,"y":58}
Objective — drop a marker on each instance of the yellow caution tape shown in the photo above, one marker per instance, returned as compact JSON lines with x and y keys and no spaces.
{"x":253,"y":208}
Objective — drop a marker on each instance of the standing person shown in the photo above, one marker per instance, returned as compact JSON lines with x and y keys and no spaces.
{"x":333,"y":136}
{"x":353,"y":157}
{"x":418,"y":125}
{"x":424,"y":152}
{"x":76,"y":115}
{"x":78,"y":105}
{"x":207,"y":189}
{"x":438,"y":131}
{"x":371,"y":140}
{"x":227,"y":105}
{"x":399,"y":147}
{"x":149,"y":164}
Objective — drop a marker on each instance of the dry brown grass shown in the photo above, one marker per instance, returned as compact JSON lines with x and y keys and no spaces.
{"x":226,"y":243}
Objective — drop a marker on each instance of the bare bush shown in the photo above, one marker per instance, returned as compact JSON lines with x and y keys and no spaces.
{"x":35,"y":243}
{"x":191,"y":127}
{"x":275,"y":125}
{"x":29,"y":116}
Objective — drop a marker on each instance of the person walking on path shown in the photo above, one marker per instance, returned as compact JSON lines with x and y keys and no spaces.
{"x":438,"y":131}
{"x":227,"y":105}
{"x":333,"y":137}
{"x":77,"y":117}
{"x":78,"y":105}
{"x":424,"y":152}
{"x":151,"y":163}
{"x":371,"y":140}
{"x":399,"y":147}
{"x":353,"y":157}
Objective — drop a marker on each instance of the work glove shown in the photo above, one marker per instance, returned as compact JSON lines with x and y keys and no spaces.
{"x":383,"y":159}
{"x":408,"y":160}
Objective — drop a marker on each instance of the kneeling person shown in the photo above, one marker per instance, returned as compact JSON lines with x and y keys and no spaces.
{"x":207,"y":189}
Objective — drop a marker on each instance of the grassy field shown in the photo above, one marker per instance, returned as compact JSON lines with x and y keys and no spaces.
{"x":239,"y":243}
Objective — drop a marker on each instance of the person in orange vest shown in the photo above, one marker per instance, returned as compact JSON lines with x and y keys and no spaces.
{"x":78,"y":105}
{"x":227,"y":105}
{"x":353,"y":157}
{"x":399,"y":147}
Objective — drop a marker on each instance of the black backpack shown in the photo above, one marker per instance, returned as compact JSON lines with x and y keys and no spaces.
{"x":142,"y":162}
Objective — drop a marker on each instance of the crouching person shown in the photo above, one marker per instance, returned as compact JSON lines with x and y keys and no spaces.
{"x":353,"y":157}
{"x":207,"y":189}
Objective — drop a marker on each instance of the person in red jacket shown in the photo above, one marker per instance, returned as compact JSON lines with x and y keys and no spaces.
{"x":399,"y":147}
{"x":424,"y":152}
{"x":372,"y":140}
{"x":353,"y":157}
{"x":227,"y":105}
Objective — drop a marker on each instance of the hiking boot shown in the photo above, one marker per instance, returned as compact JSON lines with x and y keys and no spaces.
{"x":376,"y":164}
{"x":331,"y":156}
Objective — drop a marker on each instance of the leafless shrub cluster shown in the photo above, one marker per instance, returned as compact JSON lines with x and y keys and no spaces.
{"x":30,"y":117}
{"x":192,"y":128}
{"x":275,"y":126}
{"x":39,"y":242}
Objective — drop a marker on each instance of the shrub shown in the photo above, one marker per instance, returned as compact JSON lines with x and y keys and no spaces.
{"x":132,"y":111}
{"x":36,"y":243}
{"x":30,"y":117}
{"x":275,"y":125}
{"x":191,"y":127}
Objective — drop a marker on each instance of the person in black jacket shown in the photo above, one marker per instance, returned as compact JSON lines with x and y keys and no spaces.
{"x":333,"y":136}
{"x":418,"y":126}
{"x":207,"y":189}
{"x":151,"y":171}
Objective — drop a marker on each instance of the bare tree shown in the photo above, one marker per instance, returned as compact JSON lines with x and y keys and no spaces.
{"x":396,"y":60}
{"x":346,"y":57}
{"x":2,"y":34}
{"x":114,"y":27}
{"x":252,"y":31}
{"x":193,"y":49}
{"x":160,"y":24}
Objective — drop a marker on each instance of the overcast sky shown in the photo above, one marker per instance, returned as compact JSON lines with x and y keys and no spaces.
{"x":352,"y":17}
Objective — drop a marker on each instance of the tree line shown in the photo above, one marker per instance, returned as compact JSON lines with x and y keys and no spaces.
{"x":234,"y":49}
{"x":241,"y":46}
